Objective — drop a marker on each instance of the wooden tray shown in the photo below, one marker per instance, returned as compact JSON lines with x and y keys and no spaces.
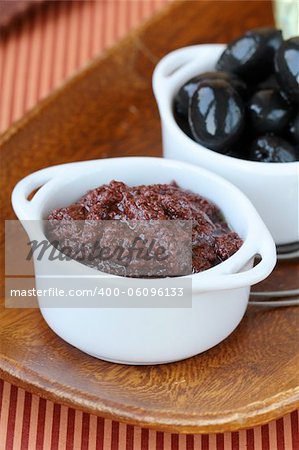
{"x":109,"y":110}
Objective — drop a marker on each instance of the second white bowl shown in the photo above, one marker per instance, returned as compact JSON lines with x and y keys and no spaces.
{"x":272,"y":187}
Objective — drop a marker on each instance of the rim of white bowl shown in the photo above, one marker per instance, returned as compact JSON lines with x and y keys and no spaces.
{"x":252,"y":243}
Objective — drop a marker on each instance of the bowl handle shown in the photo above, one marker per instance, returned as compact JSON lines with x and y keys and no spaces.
{"x":175,"y":67}
{"x":26,"y":209}
{"x":267,"y":253}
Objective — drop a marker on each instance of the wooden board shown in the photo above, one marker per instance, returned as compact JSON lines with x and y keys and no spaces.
{"x":109,"y":110}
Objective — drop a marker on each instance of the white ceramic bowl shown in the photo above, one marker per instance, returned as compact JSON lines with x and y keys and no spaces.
{"x":150,"y":335}
{"x":272,"y":187}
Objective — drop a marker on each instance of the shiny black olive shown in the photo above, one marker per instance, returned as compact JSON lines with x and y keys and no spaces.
{"x":268,"y":111}
{"x":251,"y":55}
{"x":271,"y":148}
{"x":181,"y":101}
{"x":241,"y":55}
{"x":185,"y":93}
{"x":287,"y":68}
{"x":294,"y":129}
{"x":216,"y":114}
{"x":273,"y":38}
{"x":183,"y":124}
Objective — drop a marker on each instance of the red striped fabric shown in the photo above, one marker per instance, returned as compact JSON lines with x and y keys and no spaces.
{"x":55,"y":42}
{"x":35,"y":58}
{"x":33,"y":423}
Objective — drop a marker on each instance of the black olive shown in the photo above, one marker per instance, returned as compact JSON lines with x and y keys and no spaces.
{"x":294,"y":129}
{"x":271,"y":148}
{"x":241,"y":148}
{"x":236,"y":151}
{"x":185,"y":93}
{"x":272,"y":36}
{"x":183,"y":124}
{"x":216,"y":114}
{"x":231,"y":152}
{"x":241,"y":55}
{"x":287,"y":68}
{"x":181,"y":101}
{"x":251,"y":55}
{"x":239,"y":85}
{"x":269,"y":83}
{"x":268,"y":111}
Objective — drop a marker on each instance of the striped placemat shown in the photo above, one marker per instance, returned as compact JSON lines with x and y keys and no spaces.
{"x":30,"y":422}
{"x":54,"y":42}
{"x":35,"y":58}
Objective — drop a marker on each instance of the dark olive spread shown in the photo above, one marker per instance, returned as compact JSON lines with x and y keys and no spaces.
{"x":212,"y":239}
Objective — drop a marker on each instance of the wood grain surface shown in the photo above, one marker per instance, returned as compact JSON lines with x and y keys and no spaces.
{"x":108,"y":110}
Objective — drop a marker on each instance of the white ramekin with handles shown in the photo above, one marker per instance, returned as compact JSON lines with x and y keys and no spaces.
{"x":272,"y":187}
{"x":150,"y":335}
